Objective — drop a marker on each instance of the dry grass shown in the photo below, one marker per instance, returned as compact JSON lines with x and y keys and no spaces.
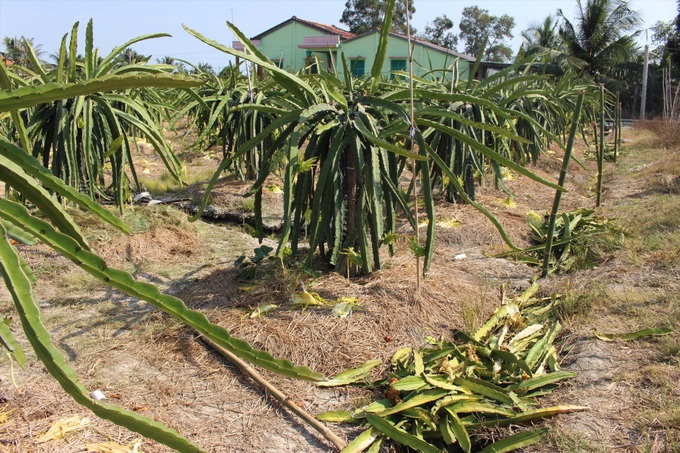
{"x":661,"y":170}
{"x":666,"y":135}
{"x":393,"y":313}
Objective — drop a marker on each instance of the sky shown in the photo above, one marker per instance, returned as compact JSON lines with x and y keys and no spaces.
{"x":117,"y":21}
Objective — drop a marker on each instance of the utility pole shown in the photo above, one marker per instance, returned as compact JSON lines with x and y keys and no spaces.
{"x":645,"y":73}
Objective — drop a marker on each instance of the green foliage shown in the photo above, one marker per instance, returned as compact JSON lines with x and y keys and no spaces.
{"x":6,"y":335}
{"x":634,"y":335}
{"x":673,"y":42}
{"x":216,"y":110}
{"x":416,"y":248}
{"x":25,"y":174}
{"x":352,"y":375}
{"x":506,"y":119}
{"x":329,"y":137}
{"x":544,"y":39}
{"x":22,"y":170}
{"x":437,"y":32}
{"x":248,"y":267}
{"x":581,"y":240}
{"x":17,"y":51}
{"x":543,"y":35}
{"x":76,"y":137}
{"x":602,"y":35}
{"x":445,"y":393}
{"x":362,"y":16}
{"x":341,"y":145}
{"x":662,"y":33}
{"x":477,"y":26}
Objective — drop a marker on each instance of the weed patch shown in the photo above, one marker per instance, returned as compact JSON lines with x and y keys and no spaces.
{"x":666,"y":134}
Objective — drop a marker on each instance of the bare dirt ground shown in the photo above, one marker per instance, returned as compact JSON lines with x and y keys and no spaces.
{"x":143,"y":360}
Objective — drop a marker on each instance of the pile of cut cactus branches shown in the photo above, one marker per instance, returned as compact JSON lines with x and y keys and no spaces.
{"x":442,"y":396}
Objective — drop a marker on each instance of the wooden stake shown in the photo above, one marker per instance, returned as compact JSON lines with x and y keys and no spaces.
{"x":600,"y":150}
{"x":277,"y":394}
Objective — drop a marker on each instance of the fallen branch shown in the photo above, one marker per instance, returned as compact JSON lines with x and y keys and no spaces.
{"x":278,"y":395}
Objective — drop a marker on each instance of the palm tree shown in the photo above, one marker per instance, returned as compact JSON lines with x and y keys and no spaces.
{"x":543,"y":35}
{"x":130,"y":56}
{"x":602,"y":36}
{"x":205,"y":68}
{"x":17,"y":50}
{"x":545,"y":38}
{"x":168,"y":60}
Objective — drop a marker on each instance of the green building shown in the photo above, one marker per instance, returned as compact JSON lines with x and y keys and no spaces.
{"x":296,"y":44}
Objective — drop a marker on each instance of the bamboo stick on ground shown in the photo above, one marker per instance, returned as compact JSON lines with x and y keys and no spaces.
{"x":278,"y":395}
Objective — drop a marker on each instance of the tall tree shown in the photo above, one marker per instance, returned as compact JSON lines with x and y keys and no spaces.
{"x":603,"y":34}
{"x":543,"y":35}
{"x":203,"y":68}
{"x":437,"y":32}
{"x":131,"y":56}
{"x":544,"y":38}
{"x":17,"y":50}
{"x":366,"y":15}
{"x":662,"y":32}
{"x":673,"y":42}
{"x":478,"y":26}
{"x":166,"y":60}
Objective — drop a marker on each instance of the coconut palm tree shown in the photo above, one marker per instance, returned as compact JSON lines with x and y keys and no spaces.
{"x":17,"y":50}
{"x":130,"y":56}
{"x":602,"y":35}
{"x":543,"y":35}
{"x":544,"y":38}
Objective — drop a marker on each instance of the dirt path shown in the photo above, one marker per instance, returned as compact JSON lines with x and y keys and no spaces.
{"x":632,"y":388}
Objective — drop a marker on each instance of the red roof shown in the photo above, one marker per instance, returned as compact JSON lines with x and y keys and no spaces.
{"x":330,"y":29}
{"x":344,"y":34}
